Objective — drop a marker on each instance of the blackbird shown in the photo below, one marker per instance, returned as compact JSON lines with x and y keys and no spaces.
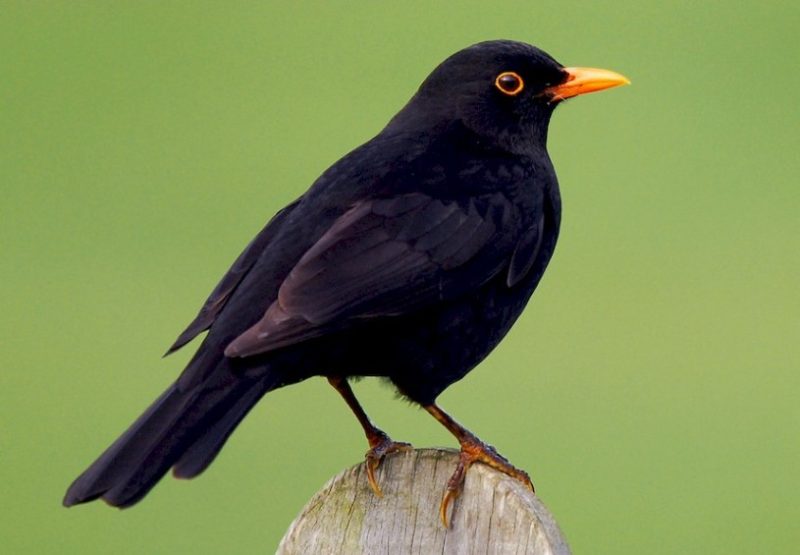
{"x":408,"y":259}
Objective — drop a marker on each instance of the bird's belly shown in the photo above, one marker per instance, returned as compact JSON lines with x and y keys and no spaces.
{"x":423,"y":354}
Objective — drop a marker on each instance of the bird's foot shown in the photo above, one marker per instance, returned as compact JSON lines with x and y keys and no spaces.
{"x":474,"y":450}
{"x":380,"y":446}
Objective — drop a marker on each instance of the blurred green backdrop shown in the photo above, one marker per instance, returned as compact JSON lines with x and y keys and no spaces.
{"x":651,"y":388}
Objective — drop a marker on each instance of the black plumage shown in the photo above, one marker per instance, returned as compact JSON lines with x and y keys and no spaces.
{"x":408,"y":259}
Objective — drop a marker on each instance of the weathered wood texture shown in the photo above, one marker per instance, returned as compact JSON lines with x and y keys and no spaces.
{"x":494,"y":514}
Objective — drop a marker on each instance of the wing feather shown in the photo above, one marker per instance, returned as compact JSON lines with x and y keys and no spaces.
{"x":230,"y":281}
{"x":384,"y":257}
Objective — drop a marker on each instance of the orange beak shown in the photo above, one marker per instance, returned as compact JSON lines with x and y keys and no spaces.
{"x":582,"y":80}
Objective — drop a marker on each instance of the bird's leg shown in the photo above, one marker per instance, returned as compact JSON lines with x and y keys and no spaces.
{"x":380,"y":444}
{"x":472,"y":450}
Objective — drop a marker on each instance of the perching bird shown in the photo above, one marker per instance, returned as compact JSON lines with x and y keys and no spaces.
{"x":409,"y":259}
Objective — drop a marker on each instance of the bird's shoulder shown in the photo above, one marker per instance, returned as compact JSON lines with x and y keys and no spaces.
{"x":447,"y":161}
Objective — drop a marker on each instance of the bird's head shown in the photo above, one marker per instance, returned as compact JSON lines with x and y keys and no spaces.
{"x":502,"y":90}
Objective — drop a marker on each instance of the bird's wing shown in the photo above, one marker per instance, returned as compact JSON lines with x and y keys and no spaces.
{"x":230,"y":281}
{"x":525,"y":253}
{"x":385,"y":257}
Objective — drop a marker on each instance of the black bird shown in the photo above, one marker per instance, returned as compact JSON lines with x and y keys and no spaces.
{"x":409,"y":259}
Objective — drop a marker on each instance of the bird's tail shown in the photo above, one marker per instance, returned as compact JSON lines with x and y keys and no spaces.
{"x":183,"y":429}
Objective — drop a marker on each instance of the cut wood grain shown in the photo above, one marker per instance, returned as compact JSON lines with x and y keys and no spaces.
{"x":494,"y":514}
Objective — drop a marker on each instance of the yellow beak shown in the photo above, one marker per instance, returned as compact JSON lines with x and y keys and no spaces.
{"x":582,"y":80}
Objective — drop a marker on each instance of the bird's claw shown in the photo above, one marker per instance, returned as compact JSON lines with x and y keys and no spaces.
{"x":473,"y":450}
{"x":380,"y":446}
{"x":454,"y":487}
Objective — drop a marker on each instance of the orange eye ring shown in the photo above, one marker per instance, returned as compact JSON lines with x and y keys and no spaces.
{"x":509,"y":83}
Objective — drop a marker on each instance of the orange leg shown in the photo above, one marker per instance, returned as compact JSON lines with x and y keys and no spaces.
{"x":472,"y":450}
{"x":380,"y":444}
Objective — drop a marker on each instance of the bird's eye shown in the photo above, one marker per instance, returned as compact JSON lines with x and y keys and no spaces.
{"x":509,"y":83}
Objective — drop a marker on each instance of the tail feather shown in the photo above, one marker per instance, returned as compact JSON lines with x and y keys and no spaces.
{"x":205,"y":449}
{"x":184,"y":425}
{"x":118,"y":460}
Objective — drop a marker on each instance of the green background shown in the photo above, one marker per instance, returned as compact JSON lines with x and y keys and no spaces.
{"x":651,"y":388}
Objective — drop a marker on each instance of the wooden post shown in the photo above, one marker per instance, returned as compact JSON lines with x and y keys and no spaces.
{"x":494,"y":514}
